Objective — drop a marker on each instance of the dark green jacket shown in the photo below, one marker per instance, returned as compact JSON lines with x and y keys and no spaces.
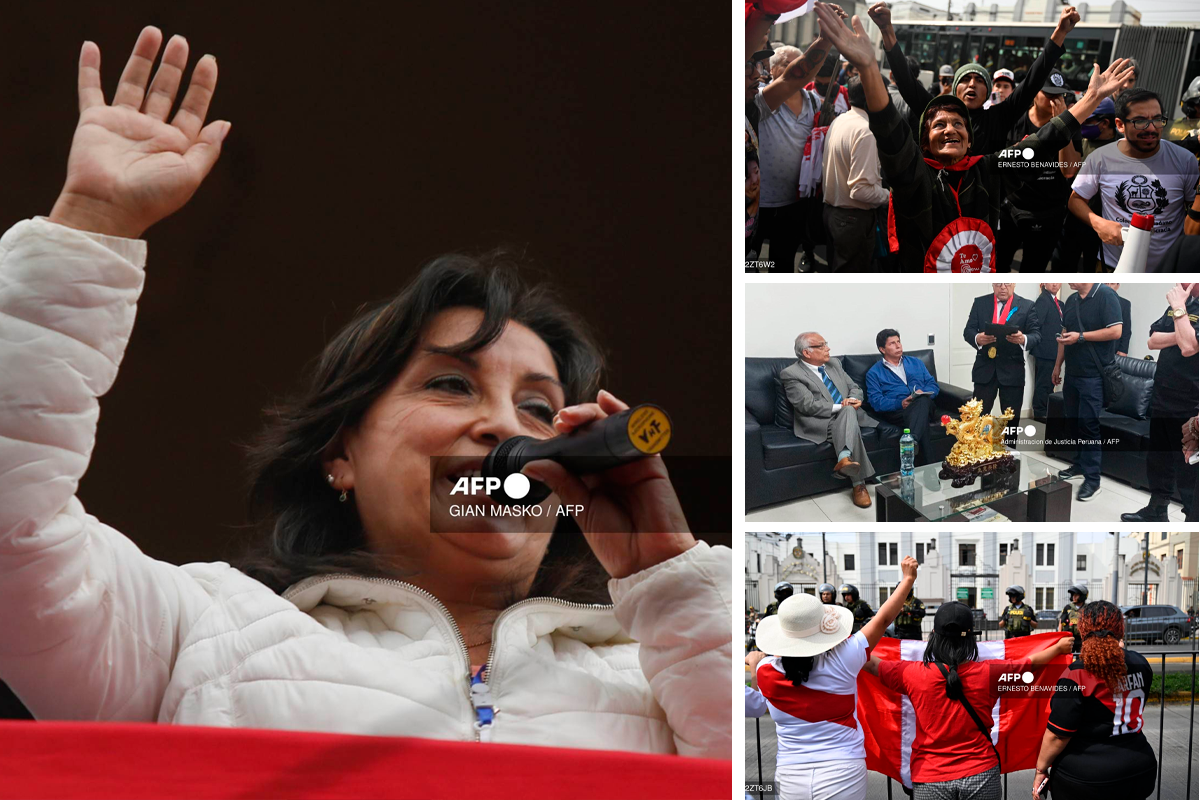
{"x":862,"y":614}
{"x":910,"y":615}
{"x":1018,"y":619}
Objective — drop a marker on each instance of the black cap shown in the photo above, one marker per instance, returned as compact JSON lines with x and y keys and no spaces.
{"x":1056,"y":83}
{"x":762,"y":55}
{"x":953,"y":619}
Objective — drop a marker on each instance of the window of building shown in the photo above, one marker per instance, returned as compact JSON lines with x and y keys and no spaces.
{"x":1050,"y":597}
{"x":883,"y":594}
{"x":882,"y":554}
{"x":758,"y":557}
{"x":892,"y":553}
{"x":1039,"y":595}
{"x":1080,"y":563}
{"x":1049,"y":555}
{"x":1041,"y":555}
{"x":1179,"y":558}
{"x":966,"y":555}
{"x":849,"y":562}
{"x":1003,"y":554}
{"x":921,"y":553}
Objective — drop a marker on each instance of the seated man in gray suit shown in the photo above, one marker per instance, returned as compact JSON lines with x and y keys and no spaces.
{"x":828,"y":408}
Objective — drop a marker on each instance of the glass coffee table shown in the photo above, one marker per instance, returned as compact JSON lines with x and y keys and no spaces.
{"x":1031,"y":493}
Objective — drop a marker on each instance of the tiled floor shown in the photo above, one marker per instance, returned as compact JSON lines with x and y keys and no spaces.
{"x":1114,"y":499}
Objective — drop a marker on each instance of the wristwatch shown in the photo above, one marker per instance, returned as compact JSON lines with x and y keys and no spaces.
{"x":1176,"y":313}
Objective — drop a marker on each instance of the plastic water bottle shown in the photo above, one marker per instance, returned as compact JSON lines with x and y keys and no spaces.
{"x":907,"y":448}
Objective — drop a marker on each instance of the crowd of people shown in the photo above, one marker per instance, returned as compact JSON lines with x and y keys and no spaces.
{"x":807,"y":653}
{"x":1074,"y":343}
{"x":891,"y":175}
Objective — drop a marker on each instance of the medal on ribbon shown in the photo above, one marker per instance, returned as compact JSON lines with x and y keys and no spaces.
{"x":992,"y":351}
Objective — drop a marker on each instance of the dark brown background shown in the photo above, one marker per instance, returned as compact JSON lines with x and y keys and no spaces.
{"x":596,"y":140}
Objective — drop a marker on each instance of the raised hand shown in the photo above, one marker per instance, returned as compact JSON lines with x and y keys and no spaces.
{"x":1103,"y":84}
{"x":128,"y":167}
{"x":881,"y":15}
{"x":1068,"y":19}
{"x":854,"y":45}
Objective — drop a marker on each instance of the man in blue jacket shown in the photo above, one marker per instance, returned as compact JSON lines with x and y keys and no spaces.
{"x":901,"y":391}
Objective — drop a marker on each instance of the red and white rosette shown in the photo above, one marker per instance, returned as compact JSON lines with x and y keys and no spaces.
{"x":965,"y":245}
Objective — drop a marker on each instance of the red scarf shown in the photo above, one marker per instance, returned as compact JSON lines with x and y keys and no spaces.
{"x":961,"y":165}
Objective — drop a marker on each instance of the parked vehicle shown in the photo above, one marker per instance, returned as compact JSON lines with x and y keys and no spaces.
{"x":1047,"y":620}
{"x":1152,"y":623}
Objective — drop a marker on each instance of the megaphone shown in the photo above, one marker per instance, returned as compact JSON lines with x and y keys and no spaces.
{"x":1136,"y":240}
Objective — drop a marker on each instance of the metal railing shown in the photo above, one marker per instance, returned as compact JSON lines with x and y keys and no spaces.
{"x":1162,"y":718}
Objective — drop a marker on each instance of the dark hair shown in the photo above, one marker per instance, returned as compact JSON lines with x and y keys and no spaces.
{"x":796,"y":668}
{"x":858,"y":95}
{"x":1136,"y":69}
{"x":1102,"y":655}
{"x":1127,"y":98}
{"x":751,"y":155}
{"x":828,"y":67}
{"x":885,"y":334}
{"x":303,"y":528}
{"x":951,"y":650}
{"x":914,"y":66}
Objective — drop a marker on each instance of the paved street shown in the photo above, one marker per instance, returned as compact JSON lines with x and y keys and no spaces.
{"x":1175,"y":744}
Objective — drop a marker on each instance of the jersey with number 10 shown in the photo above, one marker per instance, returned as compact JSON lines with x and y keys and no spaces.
{"x":1105,"y":727}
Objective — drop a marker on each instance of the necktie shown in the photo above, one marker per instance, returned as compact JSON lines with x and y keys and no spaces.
{"x":833,"y":392}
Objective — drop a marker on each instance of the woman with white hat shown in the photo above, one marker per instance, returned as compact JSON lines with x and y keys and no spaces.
{"x":809,"y":684}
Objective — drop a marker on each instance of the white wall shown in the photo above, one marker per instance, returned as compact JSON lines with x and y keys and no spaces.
{"x":849,"y":315}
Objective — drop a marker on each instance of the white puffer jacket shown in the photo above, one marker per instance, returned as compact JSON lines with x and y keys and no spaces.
{"x":93,"y":629}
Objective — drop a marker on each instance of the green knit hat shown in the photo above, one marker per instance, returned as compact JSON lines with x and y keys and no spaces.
{"x":967,"y":69}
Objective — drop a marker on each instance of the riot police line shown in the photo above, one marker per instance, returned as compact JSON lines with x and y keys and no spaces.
{"x":819,"y":753}
{"x":1017,"y":618}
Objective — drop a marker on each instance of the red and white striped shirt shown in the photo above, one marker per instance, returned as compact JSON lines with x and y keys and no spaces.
{"x":818,"y":720}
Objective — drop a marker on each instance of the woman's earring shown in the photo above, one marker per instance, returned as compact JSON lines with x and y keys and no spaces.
{"x":342,"y":496}
{"x":330,"y":477}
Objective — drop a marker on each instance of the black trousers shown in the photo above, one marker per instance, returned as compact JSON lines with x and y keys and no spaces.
{"x":1076,"y":250}
{"x":1010,"y":397}
{"x":917,"y":418}
{"x":1037,"y":235}
{"x":1043,"y":387}
{"x":787,"y":228}
{"x":850,"y":238}
{"x":1166,"y":467}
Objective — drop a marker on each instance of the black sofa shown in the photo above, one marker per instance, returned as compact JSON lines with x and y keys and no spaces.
{"x":781,"y":466}
{"x":1128,"y":422}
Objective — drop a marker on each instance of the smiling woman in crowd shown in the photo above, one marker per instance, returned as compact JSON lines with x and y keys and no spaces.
{"x":945,"y":203}
{"x":371,"y":609}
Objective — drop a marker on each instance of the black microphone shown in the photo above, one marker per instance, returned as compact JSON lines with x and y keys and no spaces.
{"x":602,"y":444}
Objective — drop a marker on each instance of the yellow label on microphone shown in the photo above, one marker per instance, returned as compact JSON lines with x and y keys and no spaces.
{"x":649,"y":429}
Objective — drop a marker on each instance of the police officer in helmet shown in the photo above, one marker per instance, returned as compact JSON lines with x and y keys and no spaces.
{"x":862,"y":612}
{"x":1069,"y":619}
{"x":783,"y":590}
{"x":827,"y":593}
{"x":908,"y":621}
{"x":1017,"y":619}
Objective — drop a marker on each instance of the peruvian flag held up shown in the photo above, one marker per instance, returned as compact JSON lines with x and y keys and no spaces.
{"x":1018,"y":721}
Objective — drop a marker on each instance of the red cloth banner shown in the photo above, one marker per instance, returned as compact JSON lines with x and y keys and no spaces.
{"x":134,"y":761}
{"x":1019,"y":723}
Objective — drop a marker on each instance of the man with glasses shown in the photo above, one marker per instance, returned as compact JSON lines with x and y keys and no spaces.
{"x":1000,"y":361}
{"x":1140,"y":174}
{"x":827,"y":407}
